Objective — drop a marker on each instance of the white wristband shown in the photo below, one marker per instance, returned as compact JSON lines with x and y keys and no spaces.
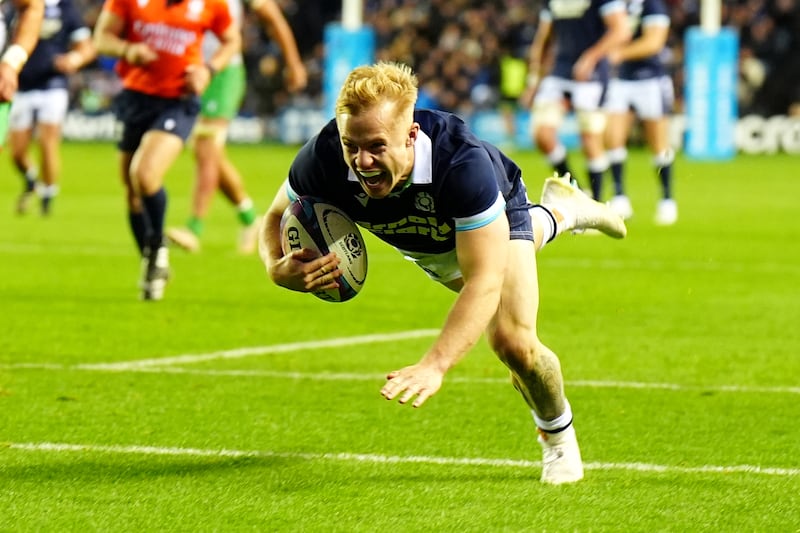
{"x":532,"y":79}
{"x":15,"y":56}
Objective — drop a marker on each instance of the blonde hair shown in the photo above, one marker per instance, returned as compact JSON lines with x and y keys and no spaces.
{"x":382,"y":82}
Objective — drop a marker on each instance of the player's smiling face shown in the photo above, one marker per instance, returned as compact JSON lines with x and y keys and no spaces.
{"x":378,"y":144}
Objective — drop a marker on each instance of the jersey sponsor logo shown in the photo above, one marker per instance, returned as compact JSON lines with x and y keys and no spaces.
{"x":569,"y":9}
{"x":412,"y":225}
{"x":165,"y":38}
{"x":424,"y":202}
{"x":194,"y":9}
{"x":635,"y":8}
{"x":51,"y":25}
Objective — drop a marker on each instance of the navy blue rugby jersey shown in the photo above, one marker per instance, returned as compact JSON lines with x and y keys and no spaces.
{"x":577,"y":25}
{"x":61,"y":26}
{"x":458,"y":183}
{"x":643,"y":13}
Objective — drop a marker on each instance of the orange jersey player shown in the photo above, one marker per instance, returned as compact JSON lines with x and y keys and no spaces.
{"x":161,"y":65}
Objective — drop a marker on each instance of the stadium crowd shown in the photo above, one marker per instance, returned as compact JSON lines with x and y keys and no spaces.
{"x":468,"y":53}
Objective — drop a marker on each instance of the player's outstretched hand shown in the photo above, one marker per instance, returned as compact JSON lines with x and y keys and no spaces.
{"x":139,"y":54}
{"x":306,"y":271}
{"x":196,"y":79}
{"x":416,"y":380}
{"x":9,"y":79}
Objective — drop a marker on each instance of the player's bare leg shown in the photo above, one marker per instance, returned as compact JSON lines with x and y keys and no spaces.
{"x":232,"y":186}
{"x":535,"y":369}
{"x":19,"y":142}
{"x":656,"y":134}
{"x":575,"y":211}
{"x":617,"y":131}
{"x":50,"y":139}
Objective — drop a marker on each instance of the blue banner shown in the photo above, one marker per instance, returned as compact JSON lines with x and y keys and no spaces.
{"x":711,"y":71}
{"x":344,"y":50}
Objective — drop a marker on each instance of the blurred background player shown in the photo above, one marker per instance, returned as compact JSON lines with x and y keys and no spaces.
{"x":163,"y":74}
{"x":584,"y":33}
{"x":220,"y":104}
{"x":642,"y":87}
{"x":40,"y":106}
{"x":29,"y":14}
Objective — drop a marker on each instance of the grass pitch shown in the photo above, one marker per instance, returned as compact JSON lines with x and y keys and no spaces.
{"x":233,"y":405}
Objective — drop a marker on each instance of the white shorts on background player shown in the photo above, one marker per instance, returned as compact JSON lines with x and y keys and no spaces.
{"x":46,"y":106}
{"x":583,"y":95}
{"x":650,"y":98}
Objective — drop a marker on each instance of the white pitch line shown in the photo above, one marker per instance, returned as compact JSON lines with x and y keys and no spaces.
{"x":239,"y":353}
{"x":393,"y":459}
{"x":357,"y":376}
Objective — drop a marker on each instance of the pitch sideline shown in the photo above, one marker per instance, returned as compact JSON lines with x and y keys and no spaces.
{"x":239,"y":353}
{"x":58,"y":447}
{"x":164,"y":365}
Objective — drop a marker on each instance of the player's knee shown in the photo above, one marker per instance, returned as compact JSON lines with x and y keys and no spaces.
{"x":664,"y":158}
{"x":593,"y":122}
{"x":134,"y":201}
{"x":617,"y":155}
{"x":217,"y":133}
{"x":516,"y":349}
{"x":546,"y":115}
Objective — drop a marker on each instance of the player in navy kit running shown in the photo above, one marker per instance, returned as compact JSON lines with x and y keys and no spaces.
{"x":585,"y":33}
{"x":643,"y":87}
{"x":16,"y":46}
{"x":457,"y":206}
{"x":65,"y":45}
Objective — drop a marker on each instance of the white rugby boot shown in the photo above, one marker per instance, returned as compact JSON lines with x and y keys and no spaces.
{"x":561,"y":457}
{"x":183,"y":238}
{"x":155,"y":273}
{"x":580,"y":212}
{"x":248,"y":238}
{"x":666,"y":212}
{"x":621,"y":205}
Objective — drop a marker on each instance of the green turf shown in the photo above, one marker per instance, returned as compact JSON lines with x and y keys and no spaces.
{"x":679,"y":347}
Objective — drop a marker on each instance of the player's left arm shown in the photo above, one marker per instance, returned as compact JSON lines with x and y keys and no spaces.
{"x":278,"y":28}
{"x":82,"y":50}
{"x":230,"y":44}
{"x":655,"y":31}
{"x":617,"y":33}
{"x":298,"y":270}
{"x":22,"y":43}
{"x":29,"y":22}
{"x":197,"y":77}
{"x":82,"y":53}
{"x":482,"y":257}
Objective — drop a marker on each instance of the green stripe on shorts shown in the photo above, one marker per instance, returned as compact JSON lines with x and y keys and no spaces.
{"x":5,"y":107}
{"x":224,"y":95}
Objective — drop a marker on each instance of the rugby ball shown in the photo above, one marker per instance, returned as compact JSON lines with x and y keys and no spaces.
{"x":309,"y":222}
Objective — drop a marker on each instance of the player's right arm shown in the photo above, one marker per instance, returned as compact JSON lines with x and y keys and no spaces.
{"x":278,"y":28}
{"x":22,"y":43}
{"x":535,"y":59}
{"x":655,"y":31}
{"x":81,"y":50}
{"x":299,"y":270}
{"x":108,"y":40}
{"x":617,"y":33}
